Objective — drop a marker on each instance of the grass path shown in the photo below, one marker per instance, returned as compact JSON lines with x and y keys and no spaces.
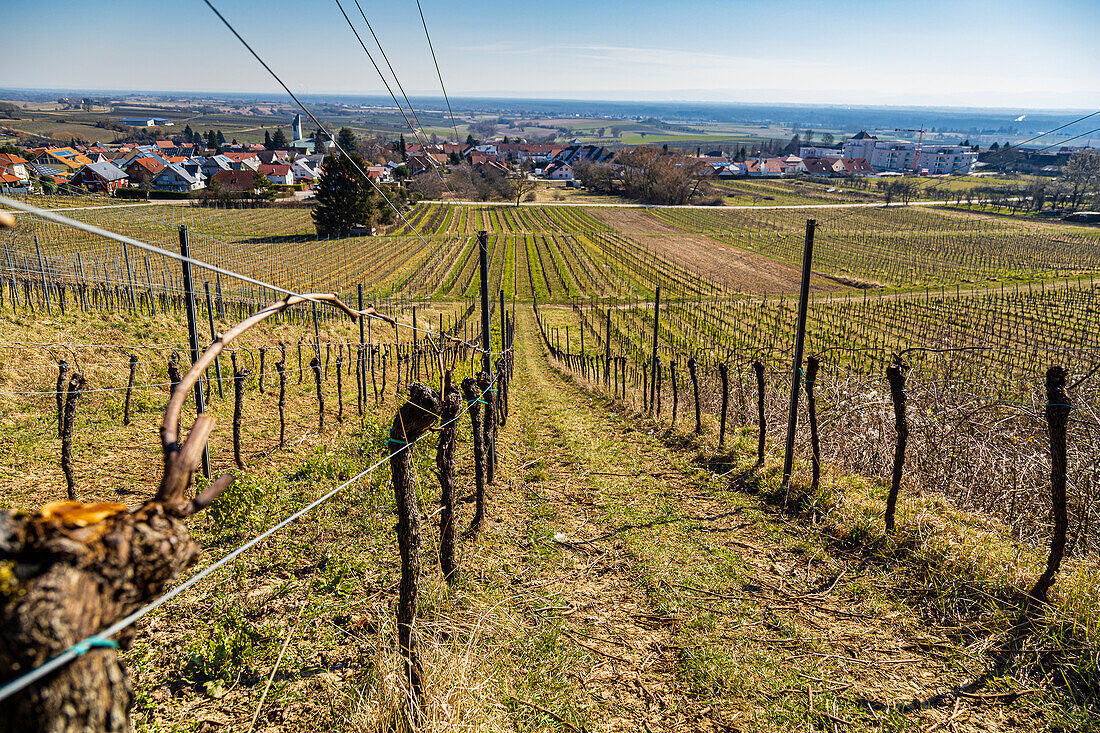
{"x":670,"y":602}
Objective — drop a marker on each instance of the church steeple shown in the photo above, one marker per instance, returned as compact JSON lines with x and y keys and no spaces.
{"x":297,"y":127}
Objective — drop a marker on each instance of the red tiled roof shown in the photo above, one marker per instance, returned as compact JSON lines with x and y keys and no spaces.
{"x":274,"y":169}
{"x":240,"y":157}
{"x":148,"y":163}
{"x":9,"y":159}
{"x":235,"y":180}
{"x":5,"y":178}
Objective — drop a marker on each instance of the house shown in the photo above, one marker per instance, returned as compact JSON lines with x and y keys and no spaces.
{"x":278,"y":157}
{"x":765,"y":167}
{"x":592,"y":153}
{"x":13,"y":184}
{"x":211,"y":164}
{"x":478,"y":159}
{"x":812,"y":151}
{"x":820,"y":167}
{"x":143,"y":170}
{"x":242,"y":160}
{"x":856,"y":167}
{"x":417,"y":164}
{"x":523,"y":152}
{"x":792,"y":165}
{"x":175,"y":178}
{"x":278,"y":173}
{"x":64,"y":159}
{"x":379,"y":173}
{"x":48,"y":172}
{"x":491,"y":164}
{"x":558,"y":171}
{"x":102,"y":177}
{"x":233,"y":180}
{"x":825,"y":167}
{"x":306,"y":170}
{"x":13,"y":165}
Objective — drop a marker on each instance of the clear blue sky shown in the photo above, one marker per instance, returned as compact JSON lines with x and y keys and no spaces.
{"x":956,"y":52}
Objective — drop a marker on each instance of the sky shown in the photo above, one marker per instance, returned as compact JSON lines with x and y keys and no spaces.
{"x":994,"y":53}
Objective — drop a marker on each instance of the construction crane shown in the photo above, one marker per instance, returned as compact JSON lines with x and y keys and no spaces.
{"x":920,"y":140}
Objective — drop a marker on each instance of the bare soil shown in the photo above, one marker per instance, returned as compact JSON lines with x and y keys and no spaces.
{"x":735,"y":268}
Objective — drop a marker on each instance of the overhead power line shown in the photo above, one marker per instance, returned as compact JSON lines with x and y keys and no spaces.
{"x":322,"y":128}
{"x":1056,"y":129}
{"x":1063,"y":142}
{"x":438,"y":73}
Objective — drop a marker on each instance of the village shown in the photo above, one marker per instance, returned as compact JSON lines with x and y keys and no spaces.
{"x":190,"y":163}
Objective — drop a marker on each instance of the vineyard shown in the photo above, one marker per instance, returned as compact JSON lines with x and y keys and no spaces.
{"x":582,"y":458}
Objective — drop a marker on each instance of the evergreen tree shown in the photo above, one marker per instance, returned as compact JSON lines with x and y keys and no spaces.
{"x":278,"y":140}
{"x":211,"y":139}
{"x":265,"y":189}
{"x":344,"y":197}
{"x":220,"y":138}
{"x":470,"y":140}
{"x":188,"y":134}
{"x":196,"y":138}
{"x":267,"y":139}
{"x":401,"y":148}
{"x":346,"y":139}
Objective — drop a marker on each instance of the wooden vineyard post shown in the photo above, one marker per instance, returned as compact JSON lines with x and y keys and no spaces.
{"x":653,"y":360}
{"x":193,"y":332}
{"x":675,"y":391}
{"x":263,"y":353}
{"x":486,"y":345}
{"x":471,"y":391}
{"x":411,"y":421}
{"x":174,"y":377}
{"x":645,"y":387}
{"x":339,"y":383}
{"x":42,"y":273}
{"x":62,"y":375}
{"x":315,"y":365}
{"x":660,"y":389}
{"x":489,"y":424}
{"x":213,"y":335}
{"x":693,"y":366}
{"x":724,"y":376}
{"x":812,"y":365}
{"x":445,"y":466}
{"x":76,"y":387}
{"x":1057,"y":414}
{"x":895,"y":375}
{"x":129,"y":389}
{"x":607,"y":351}
{"x":362,"y":353}
{"x":761,"y":419}
{"x":280,"y":368}
{"x":300,"y":367}
{"x":799,"y":344}
{"x":239,"y":375}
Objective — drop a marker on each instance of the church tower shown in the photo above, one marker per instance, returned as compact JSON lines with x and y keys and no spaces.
{"x":297,"y":127}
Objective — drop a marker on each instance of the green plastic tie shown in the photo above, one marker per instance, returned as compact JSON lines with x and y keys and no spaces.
{"x":92,"y":643}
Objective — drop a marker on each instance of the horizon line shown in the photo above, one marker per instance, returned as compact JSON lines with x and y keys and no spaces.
{"x":276,"y":96}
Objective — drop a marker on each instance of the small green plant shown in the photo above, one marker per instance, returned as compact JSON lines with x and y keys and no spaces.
{"x":231,"y":646}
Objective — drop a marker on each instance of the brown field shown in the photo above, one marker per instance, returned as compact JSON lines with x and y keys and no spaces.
{"x":735,"y":268}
